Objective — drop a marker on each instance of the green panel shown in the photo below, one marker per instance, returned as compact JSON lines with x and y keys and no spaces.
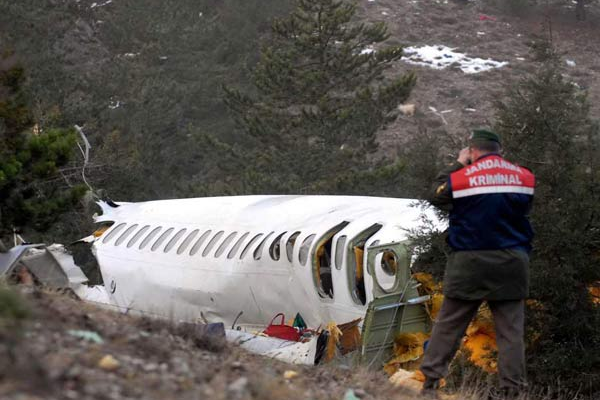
{"x":387,"y":317}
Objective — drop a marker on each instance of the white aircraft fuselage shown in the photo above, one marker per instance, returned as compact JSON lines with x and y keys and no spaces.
{"x":214,"y":258}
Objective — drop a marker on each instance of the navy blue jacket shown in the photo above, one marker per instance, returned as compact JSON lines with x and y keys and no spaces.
{"x":489,"y":202}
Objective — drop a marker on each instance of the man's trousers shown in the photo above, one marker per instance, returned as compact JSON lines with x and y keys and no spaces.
{"x":452,"y":321}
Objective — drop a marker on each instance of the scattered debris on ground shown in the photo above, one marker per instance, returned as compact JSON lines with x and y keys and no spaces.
{"x":69,"y":349}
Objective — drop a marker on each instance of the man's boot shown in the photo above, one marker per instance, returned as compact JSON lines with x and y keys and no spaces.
{"x":430,"y":388}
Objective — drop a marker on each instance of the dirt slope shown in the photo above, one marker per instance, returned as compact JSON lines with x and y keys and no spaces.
{"x":155,"y":361}
{"x":502,"y":37}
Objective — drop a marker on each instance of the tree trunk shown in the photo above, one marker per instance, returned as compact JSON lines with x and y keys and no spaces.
{"x":580,"y":10}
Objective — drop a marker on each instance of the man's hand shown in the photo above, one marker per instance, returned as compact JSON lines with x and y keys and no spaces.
{"x":464,"y":156}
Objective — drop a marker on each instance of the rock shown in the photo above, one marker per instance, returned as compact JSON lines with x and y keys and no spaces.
{"x":238,"y":387}
{"x":236,"y":365}
{"x":150,"y":367}
{"x":109,"y":363}
{"x":290,"y":374}
{"x":407,"y":109}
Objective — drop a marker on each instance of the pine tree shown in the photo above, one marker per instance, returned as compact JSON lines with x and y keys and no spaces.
{"x":30,"y":191}
{"x":320,"y":96}
{"x":545,"y":125}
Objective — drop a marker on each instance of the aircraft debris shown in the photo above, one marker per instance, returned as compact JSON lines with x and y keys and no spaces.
{"x":90,"y":336}
{"x":281,"y":330}
{"x":284,"y":350}
{"x":350,"y":395}
{"x":483,"y":17}
{"x":346,"y":260}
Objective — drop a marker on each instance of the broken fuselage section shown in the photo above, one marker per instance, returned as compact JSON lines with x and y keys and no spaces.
{"x":242,"y":260}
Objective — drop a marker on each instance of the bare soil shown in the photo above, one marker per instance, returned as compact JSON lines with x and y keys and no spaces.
{"x":156,"y":360}
{"x":470,"y":98}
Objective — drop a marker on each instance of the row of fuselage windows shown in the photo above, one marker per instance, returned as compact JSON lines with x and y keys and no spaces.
{"x":192,"y":242}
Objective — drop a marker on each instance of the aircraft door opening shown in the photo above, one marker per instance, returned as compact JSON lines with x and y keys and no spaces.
{"x":355,"y":265}
{"x":322,"y":264}
{"x":389,"y":266}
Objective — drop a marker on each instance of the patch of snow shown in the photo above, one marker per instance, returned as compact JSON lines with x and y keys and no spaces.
{"x":131,"y":55}
{"x":521,"y":58}
{"x":384,"y":13}
{"x":367,"y":50}
{"x":200,"y":14}
{"x":470,"y":109}
{"x":480,"y":33}
{"x":163,"y":58}
{"x":440,"y":57}
{"x":571,"y":63}
{"x":107,"y":2}
{"x":114,"y":104}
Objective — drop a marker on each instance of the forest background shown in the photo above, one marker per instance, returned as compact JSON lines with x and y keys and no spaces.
{"x":200,"y":98}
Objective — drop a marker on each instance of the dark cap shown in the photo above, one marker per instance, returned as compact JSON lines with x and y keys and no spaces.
{"x":484,"y":135}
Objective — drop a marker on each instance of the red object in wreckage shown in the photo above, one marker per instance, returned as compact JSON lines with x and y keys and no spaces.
{"x":483,"y":17}
{"x":281,"y":330}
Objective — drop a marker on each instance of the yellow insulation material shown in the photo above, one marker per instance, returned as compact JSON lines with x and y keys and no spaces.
{"x":334,"y":338}
{"x":359,"y":253}
{"x":407,"y":347}
{"x":480,"y":338}
{"x":595,"y":292}
{"x":390,"y":261}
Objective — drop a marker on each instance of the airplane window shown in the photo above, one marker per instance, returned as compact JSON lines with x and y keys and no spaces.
{"x":339,"y":251}
{"x":389,"y":263}
{"x":174,"y":240}
{"x":275,"y":249}
{"x":249,"y":245}
{"x":199,"y":243}
{"x":303,"y":256}
{"x":125,"y":234}
{"x":113,"y":233}
{"x":258,"y":251}
{"x":186,"y":242}
{"x":212,"y":243}
{"x":225,"y":243}
{"x":289,"y":245}
{"x":161,"y":239}
{"x":137,"y":236}
{"x":150,"y":236}
{"x":237,"y":245}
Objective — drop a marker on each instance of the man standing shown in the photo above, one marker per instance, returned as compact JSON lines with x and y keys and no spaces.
{"x":488,"y":199}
